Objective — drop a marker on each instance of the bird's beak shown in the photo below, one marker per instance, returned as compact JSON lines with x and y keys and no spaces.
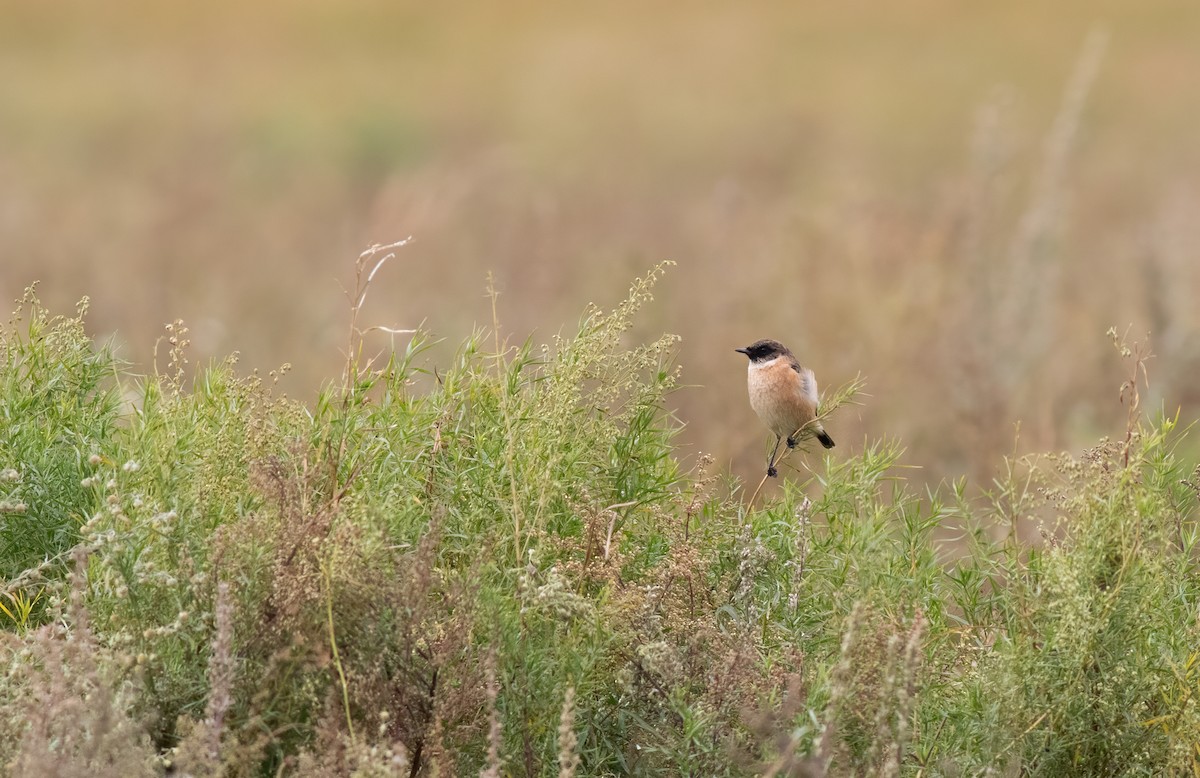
{"x":743,"y":351}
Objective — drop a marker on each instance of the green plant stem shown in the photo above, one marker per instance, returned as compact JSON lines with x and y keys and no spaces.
{"x":337,"y":659}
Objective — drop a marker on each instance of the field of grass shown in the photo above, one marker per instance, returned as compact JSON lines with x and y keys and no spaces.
{"x":290,"y":536}
{"x":886,"y":171}
{"x":501,"y":567}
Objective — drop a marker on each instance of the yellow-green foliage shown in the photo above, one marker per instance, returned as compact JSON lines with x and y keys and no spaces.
{"x":497,"y":565}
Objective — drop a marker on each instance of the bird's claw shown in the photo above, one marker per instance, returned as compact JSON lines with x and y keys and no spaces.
{"x":772,"y":472}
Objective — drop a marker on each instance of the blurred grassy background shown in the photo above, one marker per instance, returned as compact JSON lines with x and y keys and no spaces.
{"x":850,"y":178}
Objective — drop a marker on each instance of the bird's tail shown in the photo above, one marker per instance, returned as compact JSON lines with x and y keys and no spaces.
{"x":823,"y":436}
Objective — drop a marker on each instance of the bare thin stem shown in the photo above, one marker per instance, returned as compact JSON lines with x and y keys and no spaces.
{"x":362,"y":283}
{"x":333,"y":646}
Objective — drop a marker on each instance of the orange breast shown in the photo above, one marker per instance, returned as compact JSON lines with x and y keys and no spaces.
{"x":777,"y":396}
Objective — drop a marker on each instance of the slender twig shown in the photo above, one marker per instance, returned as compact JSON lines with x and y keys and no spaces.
{"x":337,"y":659}
{"x":509,"y":426}
{"x":362,"y":283}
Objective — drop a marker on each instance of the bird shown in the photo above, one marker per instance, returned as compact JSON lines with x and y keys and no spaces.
{"x":784,"y":395}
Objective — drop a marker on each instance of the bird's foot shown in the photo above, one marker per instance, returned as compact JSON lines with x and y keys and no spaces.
{"x":772,"y":472}
{"x":791,"y":442}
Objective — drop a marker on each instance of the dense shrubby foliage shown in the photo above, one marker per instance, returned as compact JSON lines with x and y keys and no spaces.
{"x":499,"y":566}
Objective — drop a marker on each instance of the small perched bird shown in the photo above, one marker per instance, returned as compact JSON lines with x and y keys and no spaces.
{"x":784,"y":395}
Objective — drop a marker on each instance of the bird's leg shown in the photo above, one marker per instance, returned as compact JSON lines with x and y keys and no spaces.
{"x":771,"y":471}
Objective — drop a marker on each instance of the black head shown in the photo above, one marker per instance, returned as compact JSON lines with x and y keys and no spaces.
{"x":764,"y":350}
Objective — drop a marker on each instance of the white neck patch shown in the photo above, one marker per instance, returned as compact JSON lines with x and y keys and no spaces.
{"x":763,"y":365}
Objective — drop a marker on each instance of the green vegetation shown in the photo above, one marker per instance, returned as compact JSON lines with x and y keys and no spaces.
{"x":949,"y":197}
{"x":500,"y":567}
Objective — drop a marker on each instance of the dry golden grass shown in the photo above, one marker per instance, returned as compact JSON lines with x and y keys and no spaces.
{"x":851,"y":179}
